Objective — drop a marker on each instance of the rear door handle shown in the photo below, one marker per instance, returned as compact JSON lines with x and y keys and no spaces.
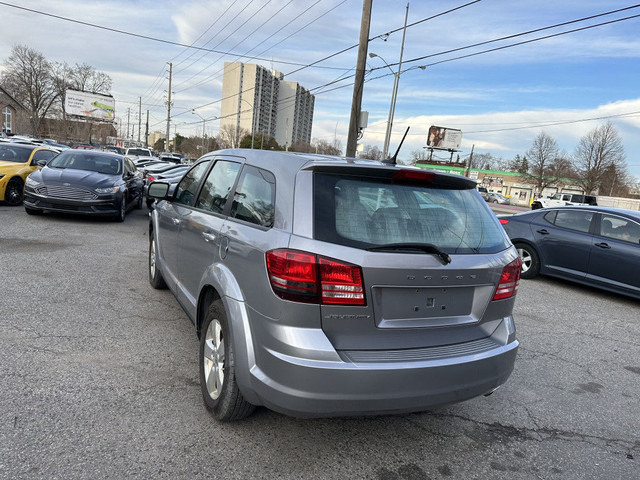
{"x":603,"y":245}
{"x":543,"y":231}
{"x":208,"y":237}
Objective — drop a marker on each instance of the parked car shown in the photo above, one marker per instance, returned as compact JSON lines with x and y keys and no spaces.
{"x":89,"y":182}
{"x":114,"y":149}
{"x":497,"y":198}
{"x":324,"y":286}
{"x":172,"y":177}
{"x":171,"y":157}
{"x":562,"y":199}
{"x":17,"y":161}
{"x":483,"y":192}
{"x":593,"y":245}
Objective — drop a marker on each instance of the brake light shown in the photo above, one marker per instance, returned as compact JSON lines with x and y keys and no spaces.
{"x":509,"y":280}
{"x":305,"y":277}
{"x":414,"y":176}
{"x":503,"y":221}
{"x":151,"y":178}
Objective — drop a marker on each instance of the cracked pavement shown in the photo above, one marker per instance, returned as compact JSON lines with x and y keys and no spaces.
{"x":99,"y":379}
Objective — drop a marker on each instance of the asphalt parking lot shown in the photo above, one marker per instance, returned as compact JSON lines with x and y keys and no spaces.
{"x":99,"y":379}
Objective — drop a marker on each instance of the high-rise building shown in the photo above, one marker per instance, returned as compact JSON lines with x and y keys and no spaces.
{"x":261,"y":101}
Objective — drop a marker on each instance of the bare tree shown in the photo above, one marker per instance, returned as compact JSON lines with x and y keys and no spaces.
{"x":597,"y":152}
{"x":87,"y":79}
{"x":371,"y":152}
{"x":231,"y":135}
{"x":418,"y":156}
{"x":27,"y":76}
{"x":542,"y":158}
{"x":326,"y":148}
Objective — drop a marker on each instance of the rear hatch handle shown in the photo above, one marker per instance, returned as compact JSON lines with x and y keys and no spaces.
{"x":413,"y":247}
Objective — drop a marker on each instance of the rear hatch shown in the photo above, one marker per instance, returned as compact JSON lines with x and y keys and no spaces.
{"x":430,"y":252}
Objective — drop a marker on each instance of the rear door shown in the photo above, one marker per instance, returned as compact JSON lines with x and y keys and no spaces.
{"x":615,"y":253}
{"x":199,"y":239}
{"x":564,"y":240}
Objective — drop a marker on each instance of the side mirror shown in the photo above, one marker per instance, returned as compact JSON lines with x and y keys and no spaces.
{"x":158,"y":190}
{"x":41,"y":163}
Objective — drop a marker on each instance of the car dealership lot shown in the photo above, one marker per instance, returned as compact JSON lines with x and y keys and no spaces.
{"x":99,"y":378}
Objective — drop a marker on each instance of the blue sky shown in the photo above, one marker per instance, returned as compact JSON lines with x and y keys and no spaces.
{"x":500,"y":100}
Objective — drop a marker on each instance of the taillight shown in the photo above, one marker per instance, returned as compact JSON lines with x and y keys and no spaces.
{"x":413,"y":176}
{"x":309,"y":278}
{"x":151,"y":178}
{"x":509,"y":280}
{"x":503,"y":221}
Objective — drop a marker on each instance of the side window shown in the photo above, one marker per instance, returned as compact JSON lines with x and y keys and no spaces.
{"x":254,"y":198}
{"x":45,"y":155}
{"x":219,"y":183}
{"x":619,"y":228}
{"x":129,"y":166}
{"x":566,"y":198}
{"x":574,"y":220}
{"x":550,"y":216}
{"x":188,"y":186}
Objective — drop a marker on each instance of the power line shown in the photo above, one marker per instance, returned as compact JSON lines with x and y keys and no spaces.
{"x":523,"y":34}
{"x":146,"y":37}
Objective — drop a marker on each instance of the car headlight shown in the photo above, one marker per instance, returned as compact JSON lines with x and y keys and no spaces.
{"x":30,"y":182}
{"x":108,"y":190}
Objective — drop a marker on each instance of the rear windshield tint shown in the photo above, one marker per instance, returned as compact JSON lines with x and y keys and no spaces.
{"x":363,"y":213}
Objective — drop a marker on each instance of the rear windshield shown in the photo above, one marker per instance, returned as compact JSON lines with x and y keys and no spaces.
{"x":364,"y":213}
{"x":138,"y":151}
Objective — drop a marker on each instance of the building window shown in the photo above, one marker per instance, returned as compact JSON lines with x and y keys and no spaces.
{"x":7,"y":120}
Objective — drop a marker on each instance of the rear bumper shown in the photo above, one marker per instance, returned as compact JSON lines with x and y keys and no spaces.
{"x":320,"y":383}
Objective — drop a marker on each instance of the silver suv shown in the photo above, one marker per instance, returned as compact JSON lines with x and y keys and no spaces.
{"x":323,"y":286}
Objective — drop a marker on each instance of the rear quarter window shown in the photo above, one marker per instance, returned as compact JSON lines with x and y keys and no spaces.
{"x":363,"y":213}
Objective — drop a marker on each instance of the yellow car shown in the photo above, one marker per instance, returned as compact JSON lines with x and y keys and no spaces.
{"x":17,"y":161}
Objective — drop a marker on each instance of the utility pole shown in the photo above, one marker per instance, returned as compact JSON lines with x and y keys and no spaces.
{"x":394,"y":96}
{"x":356,"y":103}
{"x":139,"y":117}
{"x":146,"y":132}
{"x":128,"y":120}
{"x":470,"y":160}
{"x":166,"y":141}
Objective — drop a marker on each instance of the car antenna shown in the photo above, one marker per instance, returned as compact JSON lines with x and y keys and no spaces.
{"x":393,"y":160}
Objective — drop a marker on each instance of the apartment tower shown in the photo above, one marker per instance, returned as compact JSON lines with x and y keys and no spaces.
{"x":261,"y":101}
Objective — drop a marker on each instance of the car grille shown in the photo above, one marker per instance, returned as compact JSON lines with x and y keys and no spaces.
{"x":71,"y":193}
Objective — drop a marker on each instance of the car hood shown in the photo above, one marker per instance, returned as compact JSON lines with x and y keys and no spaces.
{"x":11,"y":166}
{"x":85,"y":178}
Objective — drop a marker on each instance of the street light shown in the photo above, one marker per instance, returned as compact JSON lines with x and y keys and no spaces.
{"x":204,"y":120}
{"x":253,"y":119}
{"x":394,"y":96}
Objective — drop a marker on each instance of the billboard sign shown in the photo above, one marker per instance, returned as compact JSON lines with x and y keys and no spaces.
{"x":444,"y":138}
{"x":90,"y":105}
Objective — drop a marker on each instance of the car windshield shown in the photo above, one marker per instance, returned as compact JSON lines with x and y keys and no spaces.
{"x":367,"y":213}
{"x":85,"y":160}
{"x":9,"y":153}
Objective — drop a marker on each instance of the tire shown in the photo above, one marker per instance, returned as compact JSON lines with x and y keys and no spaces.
{"x":14,"y":193}
{"x":122,"y":210}
{"x":32,"y":211}
{"x":220,"y":391}
{"x":155,"y":275}
{"x":530,"y":260}
{"x":495,"y":201}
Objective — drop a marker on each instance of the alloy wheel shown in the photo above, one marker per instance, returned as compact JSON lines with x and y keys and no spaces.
{"x":214,"y":358}
{"x":525,"y":256}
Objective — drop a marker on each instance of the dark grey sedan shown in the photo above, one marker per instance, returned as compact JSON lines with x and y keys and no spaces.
{"x":596,"y":246}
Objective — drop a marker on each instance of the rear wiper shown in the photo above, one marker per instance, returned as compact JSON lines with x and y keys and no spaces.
{"x":407,"y":247}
